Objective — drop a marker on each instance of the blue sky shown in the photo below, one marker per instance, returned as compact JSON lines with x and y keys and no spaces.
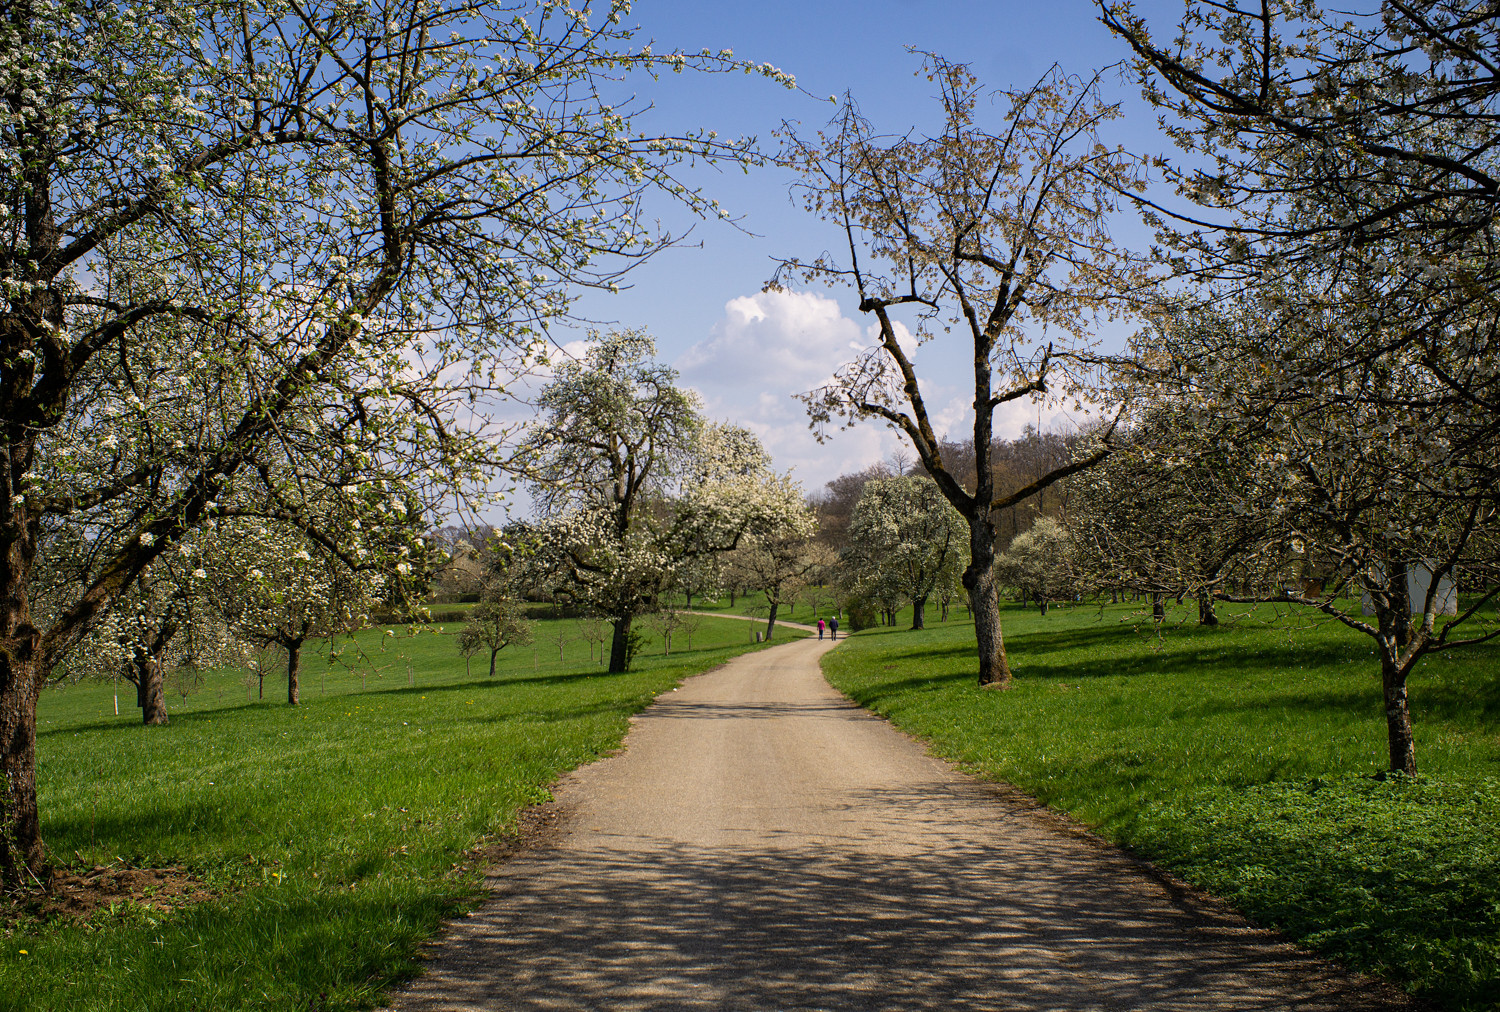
{"x":747,"y":353}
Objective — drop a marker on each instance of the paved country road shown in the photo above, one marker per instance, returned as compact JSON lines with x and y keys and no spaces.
{"x":762,"y":844}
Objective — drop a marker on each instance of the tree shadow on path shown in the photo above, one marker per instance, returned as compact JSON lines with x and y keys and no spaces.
{"x":628,"y":923}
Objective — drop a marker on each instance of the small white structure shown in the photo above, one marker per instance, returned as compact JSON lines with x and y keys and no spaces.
{"x":1418,"y":579}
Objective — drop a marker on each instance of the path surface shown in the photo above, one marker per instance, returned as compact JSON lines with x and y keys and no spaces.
{"x":751,"y":618}
{"x":762,"y":844}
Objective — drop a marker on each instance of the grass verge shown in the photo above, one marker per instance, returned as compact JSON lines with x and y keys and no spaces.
{"x":1241,"y":758}
{"x":335,"y":835}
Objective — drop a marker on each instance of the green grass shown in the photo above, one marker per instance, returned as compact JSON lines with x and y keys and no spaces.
{"x":334,"y":832}
{"x":754,"y":605}
{"x":1240,"y":757}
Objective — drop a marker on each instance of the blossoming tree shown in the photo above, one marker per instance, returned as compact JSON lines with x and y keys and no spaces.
{"x":633,"y":483}
{"x":318,"y":234}
{"x":998,"y":236}
{"x":906,"y":537}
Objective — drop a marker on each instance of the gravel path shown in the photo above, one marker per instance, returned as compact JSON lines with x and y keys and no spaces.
{"x":762,"y":844}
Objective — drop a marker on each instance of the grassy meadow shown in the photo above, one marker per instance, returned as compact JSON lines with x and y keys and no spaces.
{"x":1241,"y":757}
{"x":334,"y":836}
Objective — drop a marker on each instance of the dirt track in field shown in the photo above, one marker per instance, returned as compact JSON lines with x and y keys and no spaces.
{"x":761,"y":843}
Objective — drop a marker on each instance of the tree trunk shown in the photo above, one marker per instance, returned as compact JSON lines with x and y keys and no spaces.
{"x":771,"y":620}
{"x":153,"y":691}
{"x":494,"y":652}
{"x":984,"y":603}
{"x":293,"y":670}
{"x":1206,"y":613}
{"x":1403,"y":752}
{"x":1393,"y":615}
{"x":1400,"y":603}
{"x":619,"y":657}
{"x":918,"y":609}
{"x":1158,"y":606}
{"x":22,"y":858}
{"x":1041,"y":603}
{"x":150,"y":675}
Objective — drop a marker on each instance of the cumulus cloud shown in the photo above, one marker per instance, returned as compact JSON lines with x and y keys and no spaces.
{"x":795,"y":339}
{"x":766,"y":349}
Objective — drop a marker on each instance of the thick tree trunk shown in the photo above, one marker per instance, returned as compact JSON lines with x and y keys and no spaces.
{"x":1158,"y":606}
{"x":22,"y":673}
{"x":293,"y":671}
{"x":494,"y":652}
{"x":619,"y":656}
{"x":153,"y":691}
{"x":1041,"y":603}
{"x":151,"y":673}
{"x":771,"y":620}
{"x":1206,"y":613}
{"x":984,"y":603}
{"x":22,"y":860}
{"x":918,"y":616}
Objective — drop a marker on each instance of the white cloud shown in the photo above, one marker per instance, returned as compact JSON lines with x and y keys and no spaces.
{"x":771,"y":346}
{"x":795,"y":339}
{"x":768,"y":348}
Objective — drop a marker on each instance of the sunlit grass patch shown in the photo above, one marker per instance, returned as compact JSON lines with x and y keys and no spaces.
{"x":334,"y":836}
{"x":1240,"y":756}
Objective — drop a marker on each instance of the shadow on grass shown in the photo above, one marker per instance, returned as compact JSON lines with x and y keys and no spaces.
{"x":1291,"y":700}
{"x":1457,"y":700}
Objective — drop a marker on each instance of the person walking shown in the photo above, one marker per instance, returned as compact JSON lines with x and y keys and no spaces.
{"x":820,"y":628}
{"x":833,"y":624}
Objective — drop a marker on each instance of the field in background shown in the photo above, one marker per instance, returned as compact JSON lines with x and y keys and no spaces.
{"x":1240,"y":757}
{"x":333,"y":834}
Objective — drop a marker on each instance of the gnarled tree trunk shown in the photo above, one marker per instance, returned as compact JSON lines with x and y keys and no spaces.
{"x":150,"y":676}
{"x":984,"y":602}
{"x":21,"y":854}
{"x":918,"y":608}
{"x":151,"y":691}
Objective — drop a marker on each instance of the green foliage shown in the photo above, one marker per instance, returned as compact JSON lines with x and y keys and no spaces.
{"x":494,"y":624}
{"x":905,"y":541}
{"x":861,"y":613}
{"x":1039,"y":563}
{"x":635,"y":642}
{"x":335,"y":833}
{"x":1398,"y":876}
{"x":1238,"y":756}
